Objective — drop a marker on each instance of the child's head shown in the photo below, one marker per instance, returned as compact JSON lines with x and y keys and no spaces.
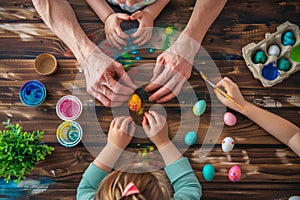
{"x":150,"y":184}
{"x":129,"y":2}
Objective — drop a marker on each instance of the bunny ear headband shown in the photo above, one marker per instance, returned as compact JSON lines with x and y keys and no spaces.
{"x":130,"y":189}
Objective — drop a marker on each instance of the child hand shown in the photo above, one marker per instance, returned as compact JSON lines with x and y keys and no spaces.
{"x":156,"y":128}
{"x":121,"y":131}
{"x":114,"y":34}
{"x":144,"y":32}
{"x":233,"y":90}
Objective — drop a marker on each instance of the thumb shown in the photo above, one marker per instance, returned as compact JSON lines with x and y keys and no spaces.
{"x":123,"y":16}
{"x":136,"y":15}
{"x":221,"y":98}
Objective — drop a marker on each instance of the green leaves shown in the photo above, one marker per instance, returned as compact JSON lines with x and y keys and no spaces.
{"x":19,"y":151}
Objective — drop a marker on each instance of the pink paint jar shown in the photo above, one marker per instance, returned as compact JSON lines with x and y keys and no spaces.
{"x":68,"y":108}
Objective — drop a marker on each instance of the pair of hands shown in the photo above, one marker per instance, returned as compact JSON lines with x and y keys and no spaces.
{"x":173,"y":68}
{"x":117,"y":38}
{"x":122,"y":130}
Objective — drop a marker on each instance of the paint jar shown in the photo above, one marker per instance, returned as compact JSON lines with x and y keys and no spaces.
{"x":69,"y":133}
{"x":45,"y":64}
{"x":68,"y":108}
{"x":32,"y":93}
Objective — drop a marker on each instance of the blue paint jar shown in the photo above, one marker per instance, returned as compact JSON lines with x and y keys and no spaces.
{"x":270,"y":72}
{"x":32,"y":93}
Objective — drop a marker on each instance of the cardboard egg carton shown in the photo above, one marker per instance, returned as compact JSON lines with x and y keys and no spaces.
{"x":273,"y":39}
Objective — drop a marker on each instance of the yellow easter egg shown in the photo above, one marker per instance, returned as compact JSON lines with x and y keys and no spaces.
{"x":135,"y":103}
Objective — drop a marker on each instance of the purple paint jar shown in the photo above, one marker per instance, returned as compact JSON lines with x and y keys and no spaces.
{"x":68,"y":108}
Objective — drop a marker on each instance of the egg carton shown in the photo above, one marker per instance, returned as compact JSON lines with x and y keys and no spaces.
{"x":276,"y":38}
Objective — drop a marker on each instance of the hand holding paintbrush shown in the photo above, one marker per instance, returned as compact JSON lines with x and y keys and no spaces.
{"x":227,"y":99}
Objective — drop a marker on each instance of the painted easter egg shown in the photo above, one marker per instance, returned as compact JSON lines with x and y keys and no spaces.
{"x":259,"y":57}
{"x":274,"y":50}
{"x":227,"y":144}
{"x":234,"y":173}
{"x":288,"y":39}
{"x":284,"y":64}
{"x":135,"y":103}
{"x":199,"y":107}
{"x":229,"y":119}
{"x":270,"y":72}
{"x":208,"y":172}
{"x":295,"y":54}
{"x":190,"y":138}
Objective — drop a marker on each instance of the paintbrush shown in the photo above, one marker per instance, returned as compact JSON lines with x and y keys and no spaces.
{"x":221,"y":91}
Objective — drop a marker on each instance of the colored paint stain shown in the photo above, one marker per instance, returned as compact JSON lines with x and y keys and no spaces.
{"x":135,"y":71}
{"x":270,"y":72}
{"x":32,"y":93}
{"x":295,"y":54}
{"x":134,"y":52}
{"x":69,"y":108}
{"x":126,"y":55}
{"x":151,"y":50}
{"x":138,"y":58}
{"x":169,"y":32}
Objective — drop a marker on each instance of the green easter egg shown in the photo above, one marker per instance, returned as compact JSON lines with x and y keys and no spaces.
{"x":208,"y":172}
{"x":284,"y":64}
{"x":259,"y":57}
{"x":295,"y":54}
{"x":199,"y":107}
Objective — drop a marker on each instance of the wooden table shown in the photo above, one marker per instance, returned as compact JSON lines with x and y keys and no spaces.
{"x":270,"y":169}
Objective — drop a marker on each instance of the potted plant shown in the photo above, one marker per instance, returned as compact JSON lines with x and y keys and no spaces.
{"x":19,"y":151}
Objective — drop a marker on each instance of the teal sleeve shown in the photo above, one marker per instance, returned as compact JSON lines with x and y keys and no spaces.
{"x":89,"y":183}
{"x":183,"y":180}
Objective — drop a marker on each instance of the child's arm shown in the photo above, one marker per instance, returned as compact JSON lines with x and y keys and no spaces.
{"x":178,"y":169}
{"x":120,"y":134}
{"x":112,"y":21}
{"x":146,"y":19}
{"x":282,"y":129}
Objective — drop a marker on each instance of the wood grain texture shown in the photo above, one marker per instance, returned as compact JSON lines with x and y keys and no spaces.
{"x":270,"y":169}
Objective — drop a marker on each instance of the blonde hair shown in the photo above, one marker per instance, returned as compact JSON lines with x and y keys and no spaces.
{"x":152,"y":185}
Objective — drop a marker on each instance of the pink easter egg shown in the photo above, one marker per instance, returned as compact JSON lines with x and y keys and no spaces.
{"x":234,"y":173}
{"x":229,"y":119}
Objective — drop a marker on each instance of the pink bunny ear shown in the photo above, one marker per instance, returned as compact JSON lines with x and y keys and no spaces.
{"x":130,"y":189}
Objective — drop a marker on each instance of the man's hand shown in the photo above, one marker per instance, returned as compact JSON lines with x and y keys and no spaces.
{"x":101,"y":72}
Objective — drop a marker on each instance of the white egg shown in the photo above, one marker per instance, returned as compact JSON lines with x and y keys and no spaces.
{"x":227,"y":144}
{"x":274,"y":50}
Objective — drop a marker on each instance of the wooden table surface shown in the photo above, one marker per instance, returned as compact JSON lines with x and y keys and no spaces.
{"x":270,"y":170}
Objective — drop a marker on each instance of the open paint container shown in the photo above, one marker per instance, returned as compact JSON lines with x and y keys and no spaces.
{"x":45,"y":64}
{"x":32,"y":93}
{"x":69,"y":133}
{"x":68,"y":108}
{"x":276,"y":57}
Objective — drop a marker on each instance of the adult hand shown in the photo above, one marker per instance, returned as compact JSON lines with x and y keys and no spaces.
{"x":173,"y":67}
{"x":121,"y":131}
{"x":114,"y":34}
{"x":156,"y":128}
{"x":232,"y":90}
{"x":100,"y":72}
{"x":144,"y":32}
